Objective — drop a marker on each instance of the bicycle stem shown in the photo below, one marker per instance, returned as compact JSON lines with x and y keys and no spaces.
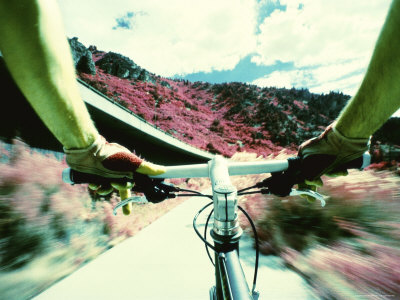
{"x":226,"y":232}
{"x":225,"y":199}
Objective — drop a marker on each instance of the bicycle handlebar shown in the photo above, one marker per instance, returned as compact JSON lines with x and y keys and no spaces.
{"x":247,"y":168}
{"x":285,"y":174}
{"x":235,"y":168}
{"x":183,"y":171}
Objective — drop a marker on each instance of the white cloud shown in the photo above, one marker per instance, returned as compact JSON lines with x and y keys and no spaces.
{"x":168,"y":37}
{"x":330,"y":41}
{"x":322,"y":32}
{"x":287,"y":79}
{"x":321,"y":79}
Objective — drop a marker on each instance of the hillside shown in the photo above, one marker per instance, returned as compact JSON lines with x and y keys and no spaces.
{"x":221,"y":118}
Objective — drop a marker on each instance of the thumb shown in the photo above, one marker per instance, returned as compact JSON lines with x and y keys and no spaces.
{"x":149,"y":168}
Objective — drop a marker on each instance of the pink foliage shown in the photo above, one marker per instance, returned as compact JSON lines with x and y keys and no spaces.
{"x":275,"y":101}
{"x":35,"y":178}
{"x":183,"y":111}
{"x":375,"y":274}
{"x":300,"y":104}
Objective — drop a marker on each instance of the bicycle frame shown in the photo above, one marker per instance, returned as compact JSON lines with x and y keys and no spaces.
{"x":229,"y":277}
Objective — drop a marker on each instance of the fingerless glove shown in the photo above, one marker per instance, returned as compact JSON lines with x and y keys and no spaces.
{"x":105,"y":159}
{"x":329,"y":151}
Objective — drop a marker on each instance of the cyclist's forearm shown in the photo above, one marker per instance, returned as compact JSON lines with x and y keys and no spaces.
{"x":37,"y":54}
{"x":379,"y":94}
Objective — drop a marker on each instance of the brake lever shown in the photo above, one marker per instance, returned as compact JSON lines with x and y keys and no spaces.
{"x":159,"y":192}
{"x":311,"y":193}
{"x":134,"y":199}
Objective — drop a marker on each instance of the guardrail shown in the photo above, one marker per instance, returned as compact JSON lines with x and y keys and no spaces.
{"x":141,"y":124}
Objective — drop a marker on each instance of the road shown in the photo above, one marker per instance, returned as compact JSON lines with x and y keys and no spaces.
{"x":167,"y":260}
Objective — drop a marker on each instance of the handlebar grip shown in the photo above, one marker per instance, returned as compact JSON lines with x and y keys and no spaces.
{"x":75,"y":177}
{"x":281,"y":183}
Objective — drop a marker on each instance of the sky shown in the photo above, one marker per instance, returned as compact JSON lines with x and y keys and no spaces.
{"x":321,"y":45}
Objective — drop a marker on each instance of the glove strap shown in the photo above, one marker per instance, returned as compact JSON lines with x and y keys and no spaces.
{"x":350,"y":140}
{"x":99,"y":140}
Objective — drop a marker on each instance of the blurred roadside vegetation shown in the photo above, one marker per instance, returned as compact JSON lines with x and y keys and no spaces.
{"x":48,"y":228}
{"x":349,"y":249}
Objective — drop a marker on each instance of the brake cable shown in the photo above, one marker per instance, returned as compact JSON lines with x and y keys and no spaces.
{"x":193,"y":193}
{"x":205,"y":235}
{"x":253,"y":227}
{"x":208,"y":245}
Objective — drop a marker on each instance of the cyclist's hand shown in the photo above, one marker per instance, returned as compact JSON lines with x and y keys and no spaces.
{"x":109,"y":160}
{"x":328,"y":154}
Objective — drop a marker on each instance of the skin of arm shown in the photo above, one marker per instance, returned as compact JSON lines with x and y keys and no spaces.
{"x":379,"y":94}
{"x":37,"y":54}
{"x":38,"y":57}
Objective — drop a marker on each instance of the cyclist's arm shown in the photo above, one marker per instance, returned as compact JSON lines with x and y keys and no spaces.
{"x":38,"y":56}
{"x":376,"y":100}
{"x":379,"y":94}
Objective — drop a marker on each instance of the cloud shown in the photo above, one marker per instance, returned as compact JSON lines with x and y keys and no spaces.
{"x":317,"y":79}
{"x":287,"y":79}
{"x":329,"y":43}
{"x":265,"y":8}
{"x":171,"y":37}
